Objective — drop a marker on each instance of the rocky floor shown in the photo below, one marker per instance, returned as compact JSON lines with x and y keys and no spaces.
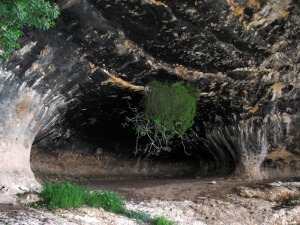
{"x":234,"y":202}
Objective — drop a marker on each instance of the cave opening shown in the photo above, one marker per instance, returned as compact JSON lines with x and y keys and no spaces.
{"x":98,"y":117}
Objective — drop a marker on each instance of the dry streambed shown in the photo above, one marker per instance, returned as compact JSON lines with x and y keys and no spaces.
{"x":262,"y":203}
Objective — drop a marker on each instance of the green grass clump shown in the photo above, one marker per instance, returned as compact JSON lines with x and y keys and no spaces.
{"x":109,"y":201}
{"x":138,"y":216}
{"x":161,"y":220}
{"x":63,"y":195}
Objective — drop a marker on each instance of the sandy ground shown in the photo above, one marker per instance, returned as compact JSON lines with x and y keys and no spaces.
{"x":184,"y":201}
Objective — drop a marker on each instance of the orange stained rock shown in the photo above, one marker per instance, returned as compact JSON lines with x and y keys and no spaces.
{"x":282,"y":154}
{"x":118,"y":81}
{"x":255,"y":3}
{"x":156,"y":2}
{"x":23,"y":107}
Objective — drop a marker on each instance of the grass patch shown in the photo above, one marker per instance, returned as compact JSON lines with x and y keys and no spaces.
{"x":65,"y":195}
{"x":109,"y":201}
{"x":161,"y":220}
{"x":141,"y":216}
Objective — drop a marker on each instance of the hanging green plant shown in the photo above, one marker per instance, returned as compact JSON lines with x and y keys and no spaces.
{"x":169,"y":112}
{"x":171,"y":107}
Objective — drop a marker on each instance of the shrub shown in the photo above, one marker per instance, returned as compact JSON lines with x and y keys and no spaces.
{"x":172,"y":107}
{"x":169,"y":112}
{"x":16,"y":14}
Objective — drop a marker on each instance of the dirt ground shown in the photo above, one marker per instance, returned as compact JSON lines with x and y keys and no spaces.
{"x":175,"y":189}
{"x":168,"y":189}
{"x":210,"y":201}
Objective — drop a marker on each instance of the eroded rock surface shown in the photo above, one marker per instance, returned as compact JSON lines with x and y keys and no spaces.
{"x":69,"y":88}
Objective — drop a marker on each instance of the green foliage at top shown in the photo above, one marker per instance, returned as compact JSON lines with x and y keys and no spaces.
{"x":16,"y":14}
{"x":171,"y":107}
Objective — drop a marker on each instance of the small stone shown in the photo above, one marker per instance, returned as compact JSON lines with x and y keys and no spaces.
{"x":99,"y":151}
{"x":213,"y":182}
{"x":276,"y":184}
